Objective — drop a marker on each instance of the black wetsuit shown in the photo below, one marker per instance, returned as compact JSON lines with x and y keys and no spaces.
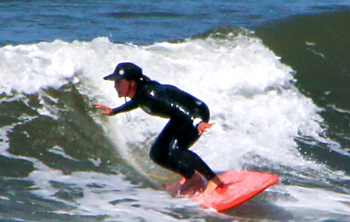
{"x":171,"y":148}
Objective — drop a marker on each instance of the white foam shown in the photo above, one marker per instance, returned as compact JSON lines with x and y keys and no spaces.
{"x":314,"y":199}
{"x":98,"y":190}
{"x":29,"y":68}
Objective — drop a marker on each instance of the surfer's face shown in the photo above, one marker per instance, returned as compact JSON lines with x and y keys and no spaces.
{"x":122,"y":86}
{"x":125,"y":88}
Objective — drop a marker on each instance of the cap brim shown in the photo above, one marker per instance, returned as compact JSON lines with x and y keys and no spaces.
{"x":112,"y":77}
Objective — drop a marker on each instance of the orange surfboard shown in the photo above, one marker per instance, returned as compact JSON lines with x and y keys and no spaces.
{"x":239,"y":186}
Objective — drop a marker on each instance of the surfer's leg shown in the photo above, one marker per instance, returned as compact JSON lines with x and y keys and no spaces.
{"x":194,"y":161}
{"x":186,"y":137}
{"x":160,"y":150}
{"x":170,"y":151}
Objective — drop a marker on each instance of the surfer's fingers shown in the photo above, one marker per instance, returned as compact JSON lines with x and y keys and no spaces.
{"x":203,"y":126}
{"x":99,"y":106}
{"x":200,"y":132}
{"x":104,"y":109}
{"x":209,"y":125}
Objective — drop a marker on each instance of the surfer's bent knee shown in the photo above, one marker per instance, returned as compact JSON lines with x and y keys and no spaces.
{"x":156,"y":156}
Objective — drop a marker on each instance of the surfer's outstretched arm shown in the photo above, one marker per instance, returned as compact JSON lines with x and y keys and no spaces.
{"x":123,"y":108}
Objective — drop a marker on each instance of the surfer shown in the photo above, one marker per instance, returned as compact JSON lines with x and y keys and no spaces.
{"x":188,"y":121}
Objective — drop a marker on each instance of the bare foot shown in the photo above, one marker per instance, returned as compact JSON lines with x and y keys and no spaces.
{"x":195,"y":184}
{"x":212,"y":185}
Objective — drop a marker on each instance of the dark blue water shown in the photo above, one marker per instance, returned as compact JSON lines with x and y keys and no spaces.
{"x":140,"y":22}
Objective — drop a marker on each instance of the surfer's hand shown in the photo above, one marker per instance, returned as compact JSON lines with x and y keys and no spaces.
{"x":104,"y":109}
{"x":203,"y":126}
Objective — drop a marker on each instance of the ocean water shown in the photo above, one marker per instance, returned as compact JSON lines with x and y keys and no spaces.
{"x":275,"y":75}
